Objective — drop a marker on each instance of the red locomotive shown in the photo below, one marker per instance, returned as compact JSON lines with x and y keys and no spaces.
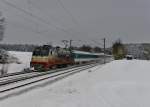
{"x":47,"y":57}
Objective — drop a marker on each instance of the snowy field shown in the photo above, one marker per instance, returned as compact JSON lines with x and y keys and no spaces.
{"x":24,"y":58}
{"x":117,"y":84}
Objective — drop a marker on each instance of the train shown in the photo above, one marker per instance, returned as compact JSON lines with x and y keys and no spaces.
{"x":47,"y":57}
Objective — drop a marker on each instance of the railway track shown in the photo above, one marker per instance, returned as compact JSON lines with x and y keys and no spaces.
{"x":16,"y":73}
{"x":13,"y":83}
{"x":27,"y":73}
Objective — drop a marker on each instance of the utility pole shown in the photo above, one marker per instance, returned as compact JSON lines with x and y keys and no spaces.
{"x":2,"y":26}
{"x":104,"y":49}
{"x":71,"y":44}
{"x":104,"y":45}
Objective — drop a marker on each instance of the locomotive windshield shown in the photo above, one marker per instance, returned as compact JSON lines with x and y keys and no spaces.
{"x":41,"y":51}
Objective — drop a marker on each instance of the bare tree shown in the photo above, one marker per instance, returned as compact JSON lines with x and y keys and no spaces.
{"x":3,"y":59}
{"x":86,"y":48}
{"x":2,"y":26}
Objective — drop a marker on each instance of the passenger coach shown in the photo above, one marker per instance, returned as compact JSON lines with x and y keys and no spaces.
{"x":83,"y":57}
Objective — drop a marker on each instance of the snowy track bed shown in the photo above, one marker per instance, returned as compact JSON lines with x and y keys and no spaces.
{"x":21,"y":75}
{"x":6,"y":89}
{"x":13,"y":77}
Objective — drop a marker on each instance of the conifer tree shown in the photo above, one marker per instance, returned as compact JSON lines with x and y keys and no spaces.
{"x":118,"y":50}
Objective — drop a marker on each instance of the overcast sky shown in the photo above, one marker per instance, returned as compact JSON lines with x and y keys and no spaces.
{"x":42,"y":21}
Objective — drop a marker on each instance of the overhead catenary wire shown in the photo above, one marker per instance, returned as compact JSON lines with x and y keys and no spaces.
{"x":23,"y":26}
{"x":29,"y":2}
{"x":98,"y":43}
{"x":74,"y":20}
{"x":68,"y":12}
{"x":32,"y":5}
{"x":28,"y":28}
{"x":34,"y":16}
{"x":85,"y":42}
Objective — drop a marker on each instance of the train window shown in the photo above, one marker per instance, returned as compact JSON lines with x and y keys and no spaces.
{"x":36,"y":52}
{"x":44,"y":52}
{"x":41,"y":51}
{"x":51,"y":52}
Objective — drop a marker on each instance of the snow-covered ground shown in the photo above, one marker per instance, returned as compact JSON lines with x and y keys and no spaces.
{"x":117,"y":84}
{"x":24,"y":58}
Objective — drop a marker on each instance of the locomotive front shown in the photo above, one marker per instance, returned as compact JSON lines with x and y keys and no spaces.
{"x":47,"y":57}
{"x":40,"y":56}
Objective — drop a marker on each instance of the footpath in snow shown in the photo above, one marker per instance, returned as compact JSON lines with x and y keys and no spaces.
{"x":117,"y":84}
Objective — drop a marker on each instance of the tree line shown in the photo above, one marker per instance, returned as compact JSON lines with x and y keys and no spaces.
{"x":31,"y":47}
{"x":18,"y":47}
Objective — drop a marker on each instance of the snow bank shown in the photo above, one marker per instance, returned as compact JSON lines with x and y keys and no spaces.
{"x":117,"y":84}
{"x":24,"y":58}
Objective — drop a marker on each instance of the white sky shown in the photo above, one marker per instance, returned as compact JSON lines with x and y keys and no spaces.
{"x":42,"y":21}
